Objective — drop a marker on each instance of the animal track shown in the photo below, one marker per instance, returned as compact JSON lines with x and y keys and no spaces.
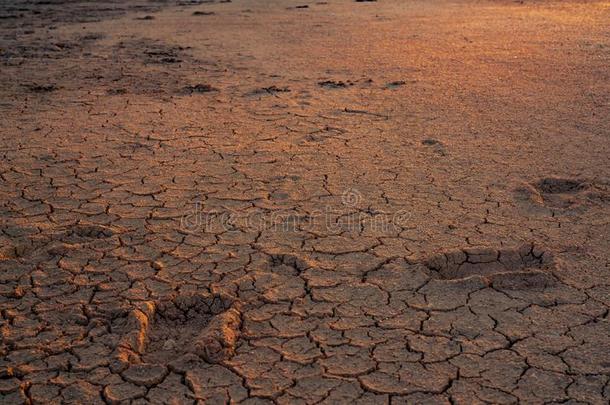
{"x":554,"y":185}
{"x":26,"y":241}
{"x":290,"y":260}
{"x":395,"y":84}
{"x":335,"y":84}
{"x":198,"y":89}
{"x":158,"y":332}
{"x":271,"y":90}
{"x":151,"y":52}
{"x":509,"y":267}
{"x":436,"y":145}
{"x":563,"y":193}
{"x":87,"y":230}
{"x":41,"y":88}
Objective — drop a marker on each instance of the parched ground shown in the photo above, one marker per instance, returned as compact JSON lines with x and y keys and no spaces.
{"x":349,"y":202}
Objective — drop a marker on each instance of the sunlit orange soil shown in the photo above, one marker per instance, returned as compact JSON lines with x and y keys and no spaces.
{"x":350,"y":202}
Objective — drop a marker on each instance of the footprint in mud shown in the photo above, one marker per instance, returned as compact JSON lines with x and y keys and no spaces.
{"x":198,"y":89}
{"x":41,"y":88}
{"x":159,"y":332}
{"x":335,"y":84}
{"x":435,"y":145}
{"x":116,"y":92}
{"x":285,"y":260}
{"x":87,"y":230}
{"x":32,"y":242}
{"x":271,"y":90}
{"x":505,"y":268}
{"x":48,"y":48}
{"x":395,"y":84}
{"x":77,"y":239}
{"x":563,"y":193}
{"x":555,"y":185}
{"x":152,"y":52}
{"x":278,"y":279}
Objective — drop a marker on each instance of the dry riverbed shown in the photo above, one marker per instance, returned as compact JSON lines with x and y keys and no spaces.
{"x":305,"y":202}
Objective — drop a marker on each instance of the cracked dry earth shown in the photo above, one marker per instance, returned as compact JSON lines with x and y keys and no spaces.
{"x":260,"y":202}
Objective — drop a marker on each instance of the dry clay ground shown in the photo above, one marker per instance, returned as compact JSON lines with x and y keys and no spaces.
{"x":352,"y":202}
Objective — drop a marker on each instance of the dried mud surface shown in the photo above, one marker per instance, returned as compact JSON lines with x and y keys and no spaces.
{"x":261,"y":202}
